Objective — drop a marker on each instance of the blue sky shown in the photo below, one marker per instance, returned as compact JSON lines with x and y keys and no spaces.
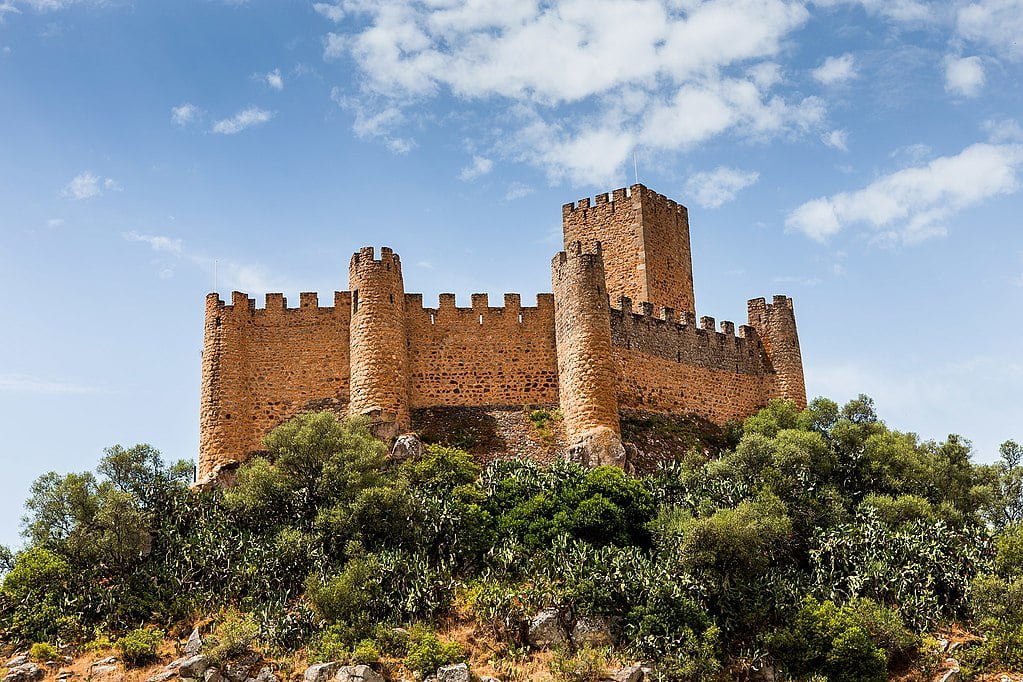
{"x":863,"y":157}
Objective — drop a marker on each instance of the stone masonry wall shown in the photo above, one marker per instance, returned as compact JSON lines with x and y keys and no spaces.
{"x":482,"y":355}
{"x":262,"y":366}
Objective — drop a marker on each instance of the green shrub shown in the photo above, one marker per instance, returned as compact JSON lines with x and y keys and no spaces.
{"x":139,"y":646}
{"x":42,"y":651}
{"x":427,"y":652}
{"x":586,"y":665}
{"x":233,"y":635}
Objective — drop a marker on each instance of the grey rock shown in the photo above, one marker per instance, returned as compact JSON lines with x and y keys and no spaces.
{"x":357,"y":673}
{"x":458,"y":672}
{"x":176,"y":663}
{"x":162,"y":676}
{"x":194,"y":666}
{"x":238,"y":670}
{"x":109,"y":660}
{"x":546,"y":630}
{"x":20,"y":659}
{"x":951,"y":676}
{"x":213,"y":675}
{"x":102,"y":670}
{"x":631,"y":673}
{"x":194,"y":643}
{"x":591,"y":631}
{"x":26,"y":672}
{"x":321,"y":672}
{"x":265,"y":674}
{"x":407,"y":446}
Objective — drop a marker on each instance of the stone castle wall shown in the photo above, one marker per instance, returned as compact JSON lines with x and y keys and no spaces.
{"x":587,"y":347}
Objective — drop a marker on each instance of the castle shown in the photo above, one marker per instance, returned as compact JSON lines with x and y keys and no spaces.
{"x":619,"y":332}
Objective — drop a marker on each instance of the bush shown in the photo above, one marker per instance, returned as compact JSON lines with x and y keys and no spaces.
{"x":427,"y":652}
{"x":42,"y":652}
{"x":233,"y":636}
{"x":586,"y":665}
{"x":138,"y":647}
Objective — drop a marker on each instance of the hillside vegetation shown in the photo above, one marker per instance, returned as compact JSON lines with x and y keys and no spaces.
{"x":813,"y":545}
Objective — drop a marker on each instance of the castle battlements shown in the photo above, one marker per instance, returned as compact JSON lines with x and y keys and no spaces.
{"x":618,"y":332}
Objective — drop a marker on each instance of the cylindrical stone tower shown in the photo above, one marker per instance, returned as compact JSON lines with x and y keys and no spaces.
{"x":379,"y":346}
{"x":586,"y":383}
{"x":776,"y":324}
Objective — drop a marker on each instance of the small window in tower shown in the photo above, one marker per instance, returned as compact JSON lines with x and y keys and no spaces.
{"x":392,"y":298}
{"x":355,"y":301}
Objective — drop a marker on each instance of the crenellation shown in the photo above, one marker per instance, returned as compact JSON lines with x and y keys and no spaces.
{"x":619,"y":332}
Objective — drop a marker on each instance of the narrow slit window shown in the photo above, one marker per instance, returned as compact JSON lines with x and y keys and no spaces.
{"x":355,"y":301}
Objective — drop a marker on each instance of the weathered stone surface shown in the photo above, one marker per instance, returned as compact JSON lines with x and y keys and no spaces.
{"x":458,"y":672}
{"x":546,"y":629}
{"x":632,"y":673}
{"x":25,"y":672}
{"x":99,"y":671}
{"x":194,"y":666}
{"x":214,"y":675}
{"x":194,"y":643}
{"x":591,"y":631}
{"x":407,"y":446}
{"x":20,"y":659}
{"x":162,"y":676}
{"x":321,"y":672}
{"x":358,"y":673}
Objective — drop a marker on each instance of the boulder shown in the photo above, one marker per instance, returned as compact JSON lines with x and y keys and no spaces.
{"x":407,"y":446}
{"x":357,"y":673}
{"x":265,"y":674}
{"x":238,"y":670}
{"x":26,"y":672}
{"x":214,"y":675}
{"x":546,"y":630}
{"x":454,"y":673}
{"x":162,"y":676}
{"x":321,"y":672}
{"x":99,"y":671}
{"x":20,"y":659}
{"x":592,"y":632}
{"x":631,"y":673}
{"x":194,"y":666}
{"x":194,"y":643}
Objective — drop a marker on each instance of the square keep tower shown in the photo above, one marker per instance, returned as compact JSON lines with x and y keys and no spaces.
{"x":645,"y":240}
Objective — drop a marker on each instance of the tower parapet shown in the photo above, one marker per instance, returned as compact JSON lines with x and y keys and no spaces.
{"x":379,"y":385}
{"x":582,"y":328}
{"x":645,"y":240}
{"x":776,"y":324}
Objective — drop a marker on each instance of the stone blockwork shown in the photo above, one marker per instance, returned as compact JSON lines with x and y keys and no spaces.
{"x":618,"y":333}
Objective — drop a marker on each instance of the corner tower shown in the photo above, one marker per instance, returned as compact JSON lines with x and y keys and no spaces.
{"x":379,"y":347}
{"x":776,"y":325}
{"x":645,"y":239}
{"x":582,"y":330}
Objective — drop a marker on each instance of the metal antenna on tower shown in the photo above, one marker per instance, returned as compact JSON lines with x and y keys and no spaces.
{"x":635,"y":166}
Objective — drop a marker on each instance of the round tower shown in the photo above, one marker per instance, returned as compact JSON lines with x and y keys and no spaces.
{"x":586,"y":376}
{"x":379,"y":347}
{"x":776,"y":324}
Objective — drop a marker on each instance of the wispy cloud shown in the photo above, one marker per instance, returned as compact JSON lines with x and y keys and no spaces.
{"x":274,"y":79}
{"x":331,"y":10}
{"x":25,"y":383}
{"x":479,"y":167}
{"x":714,"y":188}
{"x":244,"y":119}
{"x":912,"y":204}
{"x":87,"y":185}
{"x":836,"y":70}
{"x":250,"y":277}
{"x":837,"y":139}
{"x":185,"y":114}
{"x":517,"y":190}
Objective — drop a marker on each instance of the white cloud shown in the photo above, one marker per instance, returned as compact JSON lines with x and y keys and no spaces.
{"x":87,"y":185}
{"x":24,"y":383}
{"x":908,"y":11}
{"x":994,"y":23}
{"x":912,"y":204}
{"x":517,"y":190}
{"x":479,"y":167}
{"x":274,"y":79}
{"x":1003,"y":130}
{"x":244,"y":119}
{"x":156,"y":242}
{"x":331,"y":10}
{"x":964,"y":75}
{"x":711,"y":189}
{"x":837,"y":139}
{"x":836,"y":70}
{"x":184,"y":114}
{"x":231,"y":275}
{"x":55,"y":222}
{"x":658,"y":74}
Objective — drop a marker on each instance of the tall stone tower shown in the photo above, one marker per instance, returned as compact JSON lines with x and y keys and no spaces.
{"x":645,"y":237}
{"x":776,"y":324}
{"x":582,"y":331}
{"x":379,"y":357}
